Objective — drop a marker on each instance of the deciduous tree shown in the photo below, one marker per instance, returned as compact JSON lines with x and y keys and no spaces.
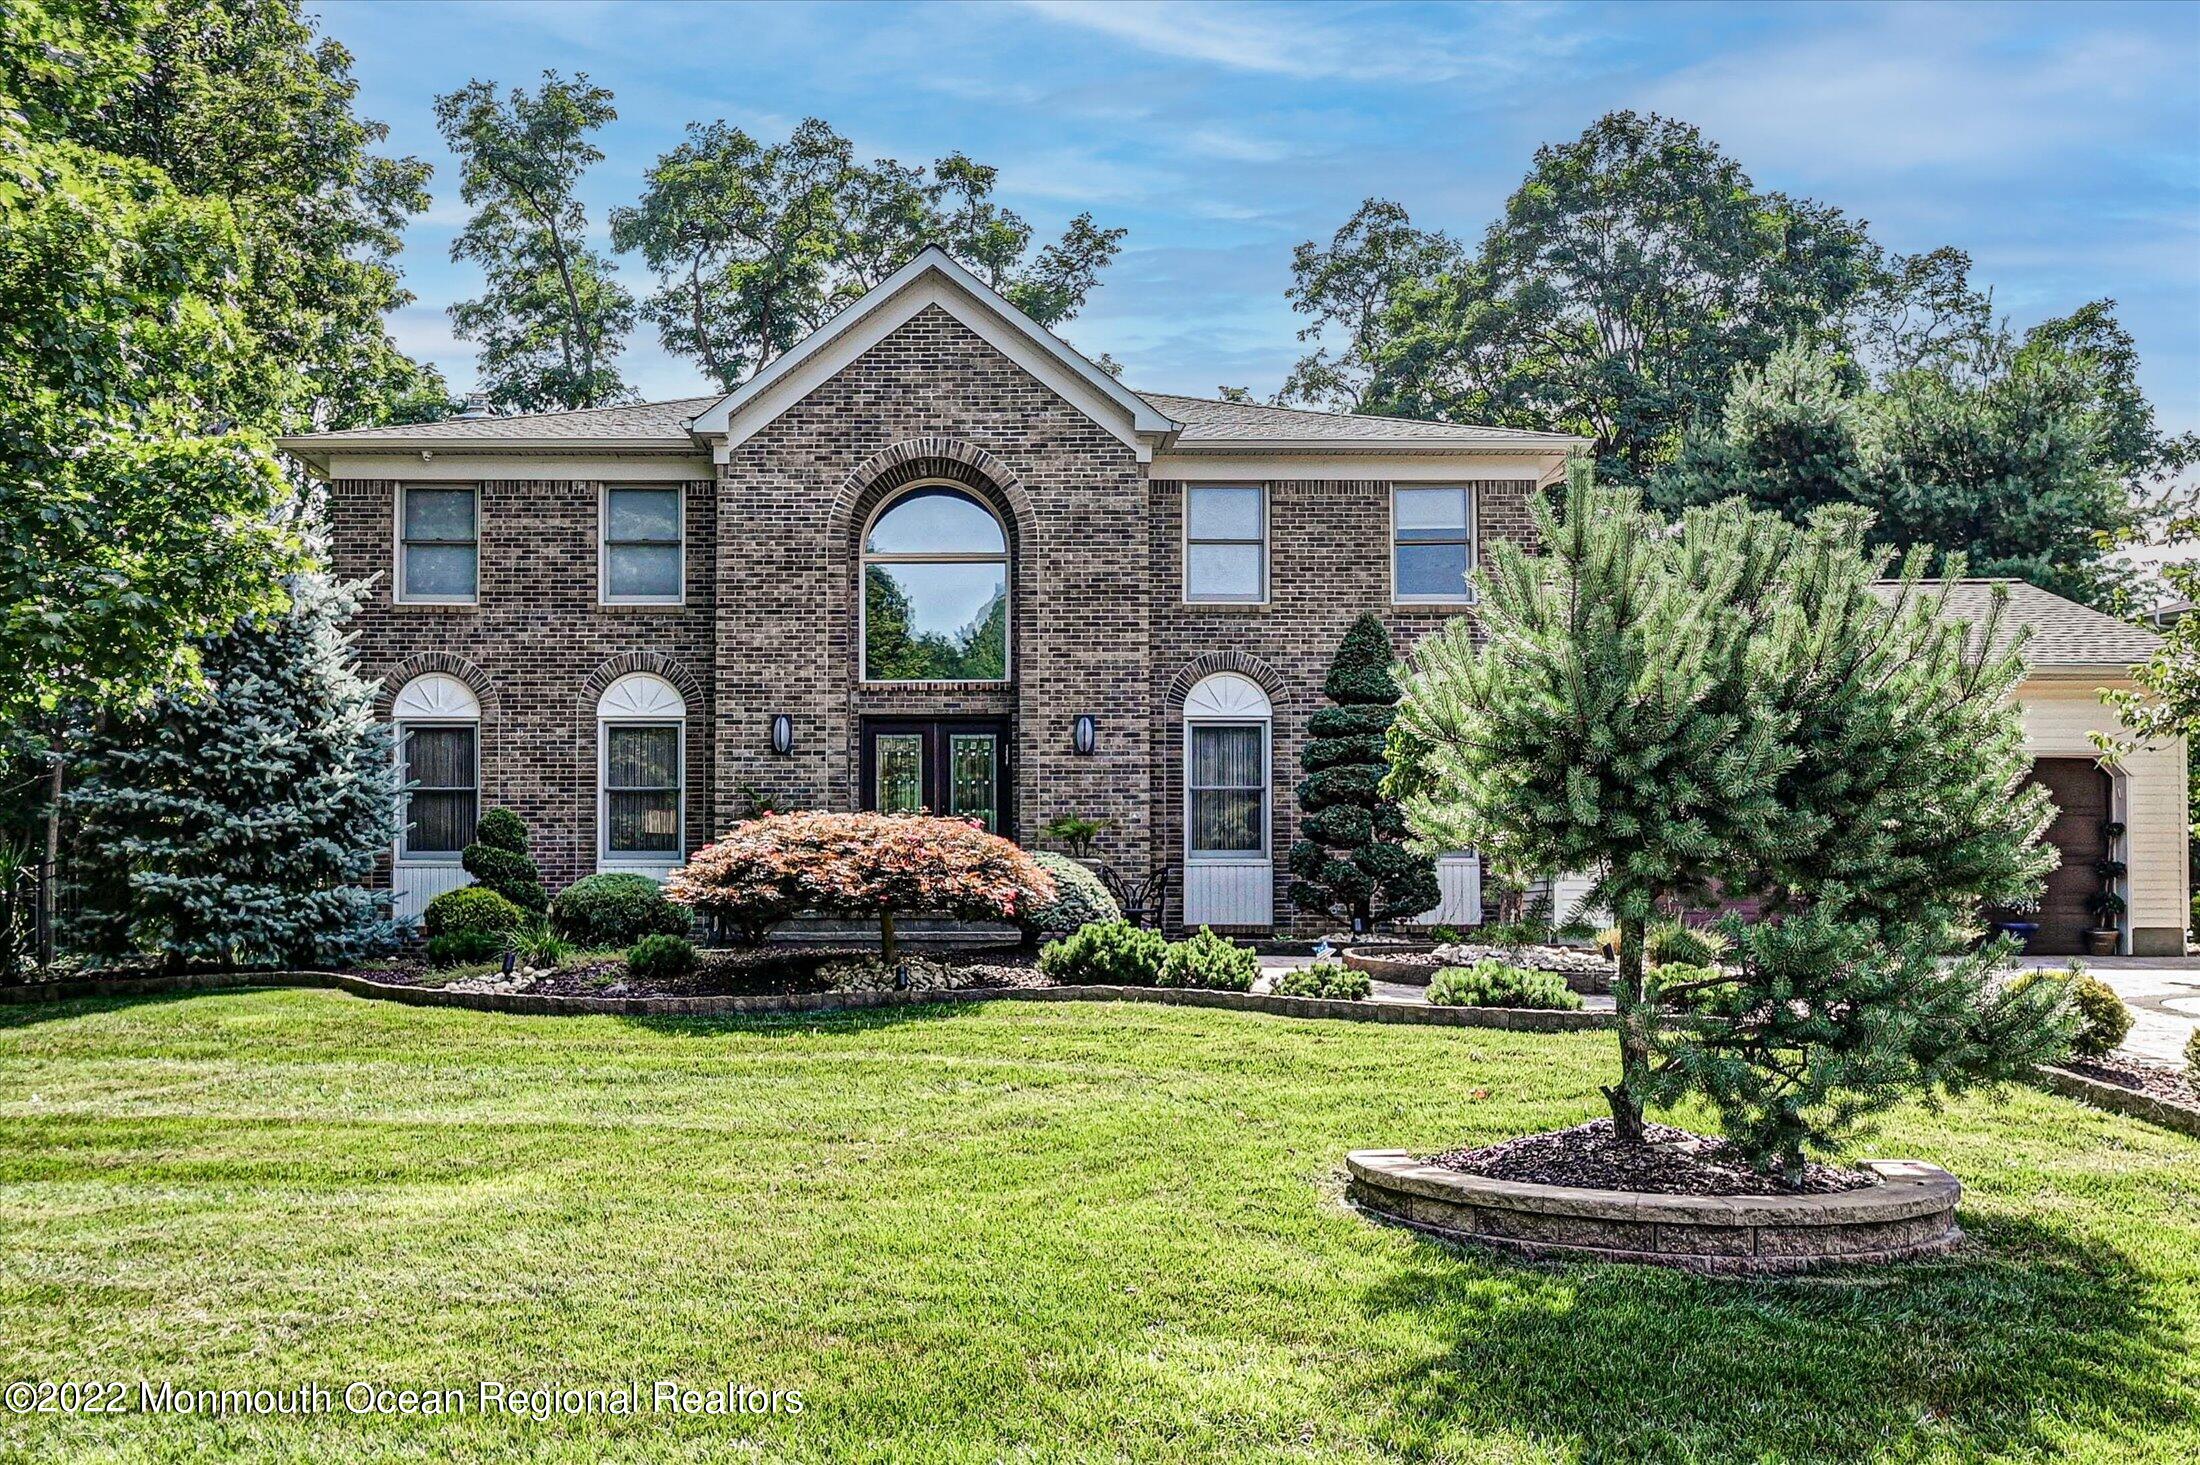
{"x":551,"y":321}
{"x":756,"y":244}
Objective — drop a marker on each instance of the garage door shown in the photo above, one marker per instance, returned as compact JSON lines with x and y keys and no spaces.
{"x":2081,"y":794}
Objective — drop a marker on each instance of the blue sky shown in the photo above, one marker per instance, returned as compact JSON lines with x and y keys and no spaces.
{"x":2059,"y":145}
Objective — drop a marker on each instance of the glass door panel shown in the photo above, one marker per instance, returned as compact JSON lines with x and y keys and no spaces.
{"x":972,"y":759}
{"x":898,"y":779}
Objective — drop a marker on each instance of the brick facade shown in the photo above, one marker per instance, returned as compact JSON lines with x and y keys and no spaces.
{"x":1098,"y":623}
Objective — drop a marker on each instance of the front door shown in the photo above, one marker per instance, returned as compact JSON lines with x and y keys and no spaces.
{"x":956,"y":766}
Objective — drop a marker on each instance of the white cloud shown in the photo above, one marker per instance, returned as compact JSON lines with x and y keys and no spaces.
{"x":1354,"y":43}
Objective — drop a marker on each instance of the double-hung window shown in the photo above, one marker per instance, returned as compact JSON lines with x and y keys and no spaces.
{"x":644,"y":548}
{"x":1228,"y":786}
{"x":1431,"y":545}
{"x":438,"y":545}
{"x":441,"y":762}
{"x":1226,"y":544}
{"x":641,"y":789}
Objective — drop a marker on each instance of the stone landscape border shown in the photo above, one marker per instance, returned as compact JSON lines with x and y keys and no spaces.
{"x":1910,"y":1212}
{"x":2121,"y":1100}
{"x":1516,"y":1019}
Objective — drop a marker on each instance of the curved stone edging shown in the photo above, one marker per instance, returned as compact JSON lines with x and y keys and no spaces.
{"x":2118,"y":1100}
{"x":1911,"y":1212}
{"x":1516,"y":1019}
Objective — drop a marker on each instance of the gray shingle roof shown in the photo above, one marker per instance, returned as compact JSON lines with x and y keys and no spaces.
{"x":2064,"y":633}
{"x":1206,"y":420}
{"x":644,"y":422}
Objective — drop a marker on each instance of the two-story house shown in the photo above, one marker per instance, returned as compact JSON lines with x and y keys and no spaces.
{"x":930,"y":558}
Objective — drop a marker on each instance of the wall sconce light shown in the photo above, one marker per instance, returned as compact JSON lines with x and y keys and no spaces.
{"x":782,"y":734}
{"x":1084,"y":734}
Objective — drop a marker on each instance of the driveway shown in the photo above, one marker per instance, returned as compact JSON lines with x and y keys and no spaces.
{"x":2163,"y":993}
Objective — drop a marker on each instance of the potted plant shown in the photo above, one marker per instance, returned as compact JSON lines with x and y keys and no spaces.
{"x":2019,"y":923}
{"x":2105,"y":905}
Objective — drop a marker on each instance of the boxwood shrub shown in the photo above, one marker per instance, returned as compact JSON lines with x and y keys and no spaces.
{"x":2103,"y":1020}
{"x":457,"y":948}
{"x":661,"y":957}
{"x":472,"y":908}
{"x":616,"y":909}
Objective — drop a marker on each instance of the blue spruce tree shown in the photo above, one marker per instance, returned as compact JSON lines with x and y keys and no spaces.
{"x":233,"y":826}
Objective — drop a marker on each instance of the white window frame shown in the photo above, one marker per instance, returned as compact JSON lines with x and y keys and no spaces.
{"x":405,"y":854}
{"x":641,"y":860}
{"x":864,"y":560}
{"x":1185,"y":543}
{"x":604,"y":546}
{"x":1474,"y":548}
{"x":397,"y":546}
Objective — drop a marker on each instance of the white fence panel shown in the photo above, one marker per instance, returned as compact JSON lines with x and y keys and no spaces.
{"x":1459,"y":879}
{"x":415,"y":885}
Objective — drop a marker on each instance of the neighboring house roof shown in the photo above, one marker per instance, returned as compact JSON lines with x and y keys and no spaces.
{"x":1208,"y":420}
{"x":2065,"y":634}
{"x":1147,"y":420}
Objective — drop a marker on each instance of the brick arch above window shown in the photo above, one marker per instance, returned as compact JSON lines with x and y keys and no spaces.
{"x":1209,"y":663}
{"x":429,"y":663}
{"x":656,"y":663}
{"x":949,"y":459}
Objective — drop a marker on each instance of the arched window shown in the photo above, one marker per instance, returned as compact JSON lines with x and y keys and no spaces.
{"x":439,"y":753}
{"x":1226,"y":726}
{"x":935,"y":590}
{"x":641,"y":752}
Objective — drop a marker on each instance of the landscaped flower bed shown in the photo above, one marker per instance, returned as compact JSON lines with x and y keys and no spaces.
{"x":1584,"y":971}
{"x":750,"y":972}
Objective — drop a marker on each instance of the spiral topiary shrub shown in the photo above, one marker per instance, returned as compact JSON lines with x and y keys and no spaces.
{"x":497,"y":859}
{"x":472,"y":908}
{"x":616,"y":909}
{"x":1327,"y":978}
{"x":1491,"y":983}
{"x":1106,"y":953}
{"x":1079,"y":900}
{"x":661,"y":957}
{"x":1211,"y":961}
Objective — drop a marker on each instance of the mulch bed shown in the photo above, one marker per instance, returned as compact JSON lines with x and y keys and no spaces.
{"x":2155,"y":1080}
{"x":1674,"y":1162}
{"x":760,"y":972}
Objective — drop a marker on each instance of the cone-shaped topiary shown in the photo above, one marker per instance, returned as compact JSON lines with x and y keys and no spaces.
{"x":1349,"y":859}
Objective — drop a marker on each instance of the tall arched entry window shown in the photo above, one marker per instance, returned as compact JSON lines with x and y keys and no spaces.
{"x":1229,"y":875}
{"x":438,"y":723}
{"x":641,"y":752}
{"x":935,"y":589}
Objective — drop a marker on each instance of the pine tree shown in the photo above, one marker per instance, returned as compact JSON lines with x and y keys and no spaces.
{"x":1352,"y":861}
{"x":233,"y":827}
{"x":1727,"y":705}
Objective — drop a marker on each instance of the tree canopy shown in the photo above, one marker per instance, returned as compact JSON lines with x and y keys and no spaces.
{"x":756,"y":244}
{"x":550,"y":321}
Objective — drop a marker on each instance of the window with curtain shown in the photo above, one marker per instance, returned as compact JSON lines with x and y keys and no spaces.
{"x":438,"y":544}
{"x":935,"y":591}
{"x":1432,"y":543}
{"x":1228,"y":783}
{"x":643,"y":549}
{"x":641,"y":784}
{"x":443,"y":806}
{"x":1226,"y":544}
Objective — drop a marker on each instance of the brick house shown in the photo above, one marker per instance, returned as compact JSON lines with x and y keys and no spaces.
{"x":930,"y":558}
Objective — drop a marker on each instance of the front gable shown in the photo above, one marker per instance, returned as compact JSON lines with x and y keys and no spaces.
{"x":932,"y":281}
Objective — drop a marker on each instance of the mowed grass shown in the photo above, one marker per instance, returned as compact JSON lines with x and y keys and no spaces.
{"x":1011,"y":1231}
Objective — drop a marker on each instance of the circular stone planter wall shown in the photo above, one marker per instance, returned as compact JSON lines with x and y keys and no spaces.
{"x":1910,"y":1212}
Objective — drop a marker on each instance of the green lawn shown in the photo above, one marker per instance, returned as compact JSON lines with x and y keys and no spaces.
{"x":1015,"y":1231}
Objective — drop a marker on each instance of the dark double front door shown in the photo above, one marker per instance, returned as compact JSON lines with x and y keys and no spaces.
{"x":955,"y":766}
